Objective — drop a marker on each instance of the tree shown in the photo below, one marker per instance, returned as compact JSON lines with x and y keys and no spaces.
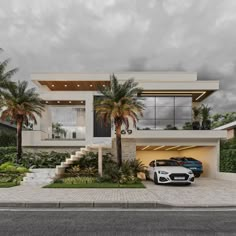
{"x":119,"y":105}
{"x":222,"y":119}
{"x":5,"y":76}
{"x":20,"y":105}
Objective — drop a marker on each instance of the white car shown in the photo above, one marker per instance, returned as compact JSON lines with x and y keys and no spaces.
{"x":169,"y":171}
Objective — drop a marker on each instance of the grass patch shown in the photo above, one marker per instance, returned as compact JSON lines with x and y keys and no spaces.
{"x":95,"y":185}
{"x":7,"y":185}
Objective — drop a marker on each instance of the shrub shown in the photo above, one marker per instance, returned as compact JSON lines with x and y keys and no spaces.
{"x":228,"y":156}
{"x":77,"y":171}
{"x":10,"y":167}
{"x":7,"y":139}
{"x":36,"y":160}
{"x":79,"y":180}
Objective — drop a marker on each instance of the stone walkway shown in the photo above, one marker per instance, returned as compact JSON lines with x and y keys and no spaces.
{"x":204,"y":192}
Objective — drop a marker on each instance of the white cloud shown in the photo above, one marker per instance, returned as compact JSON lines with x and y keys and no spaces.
{"x":116,"y":35}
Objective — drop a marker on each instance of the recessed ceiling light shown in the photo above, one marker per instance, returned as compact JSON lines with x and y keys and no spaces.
{"x":78,"y":85}
{"x":145,"y":147}
{"x":58,"y":101}
{"x":65,"y":85}
{"x":172,"y":148}
{"x":158,"y":147}
{"x":91,"y":85}
{"x":186,"y":148}
{"x":53,"y":85}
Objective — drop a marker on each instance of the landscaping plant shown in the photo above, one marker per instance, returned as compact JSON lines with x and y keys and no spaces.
{"x":119,"y":104}
{"x":20,"y":105}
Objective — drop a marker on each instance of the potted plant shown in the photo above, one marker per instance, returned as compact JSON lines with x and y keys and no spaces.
{"x":196,"y":118}
{"x":205,"y":112}
{"x":58,"y":130}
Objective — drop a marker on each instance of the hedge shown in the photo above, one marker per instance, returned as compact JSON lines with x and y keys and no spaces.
{"x":7,"y":139}
{"x":35,"y":160}
{"x":228,"y":156}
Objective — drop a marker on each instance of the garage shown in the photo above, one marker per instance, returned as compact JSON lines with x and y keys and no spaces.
{"x":207,"y":154}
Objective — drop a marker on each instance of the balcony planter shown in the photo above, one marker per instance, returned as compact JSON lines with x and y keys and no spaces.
{"x":196,"y":125}
{"x":206,"y":124}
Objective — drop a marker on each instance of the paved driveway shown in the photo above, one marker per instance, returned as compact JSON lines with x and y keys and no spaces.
{"x":204,"y":192}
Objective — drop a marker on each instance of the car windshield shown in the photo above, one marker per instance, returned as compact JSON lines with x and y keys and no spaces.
{"x":166,"y":163}
{"x":190,"y":159}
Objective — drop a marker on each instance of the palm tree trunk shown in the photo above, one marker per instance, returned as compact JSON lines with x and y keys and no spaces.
{"x":118,"y":146}
{"x":19,"y":139}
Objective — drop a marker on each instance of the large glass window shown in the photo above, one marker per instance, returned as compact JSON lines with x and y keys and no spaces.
{"x":165,"y":113}
{"x":67,"y":122}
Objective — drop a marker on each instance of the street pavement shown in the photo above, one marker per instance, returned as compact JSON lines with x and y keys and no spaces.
{"x":145,"y":222}
{"x":205,"y":192}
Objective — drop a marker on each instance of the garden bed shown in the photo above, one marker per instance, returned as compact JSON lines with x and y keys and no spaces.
{"x":8,"y":185}
{"x":95,"y":185}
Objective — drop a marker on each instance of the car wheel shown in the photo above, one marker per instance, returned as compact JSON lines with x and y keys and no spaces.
{"x":187,"y":184}
{"x":155,"y":178}
{"x":197,"y":175}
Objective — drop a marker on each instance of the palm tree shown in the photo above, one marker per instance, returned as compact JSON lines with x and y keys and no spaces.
{"x":5,"y":75}
{"x":119,"y":105}
{"x":20,"y":105}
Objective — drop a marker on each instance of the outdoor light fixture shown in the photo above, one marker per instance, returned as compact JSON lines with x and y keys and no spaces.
{"x":185,"y":148}
{"x":91,"y":85}
{"x":81,"y":102}
{"x":58,"y":101}
{"x":69,"y":101}
{"x":145,"y":148}
{"x":200,"y":95}
{"x":78,"y":85}
{"x":46,"y":102}
{"x":171,"y":148}
{"x":53,"y":85}
{"x":65,"y":85}
{"x":158,"y":148}
{"x":103,"y":85}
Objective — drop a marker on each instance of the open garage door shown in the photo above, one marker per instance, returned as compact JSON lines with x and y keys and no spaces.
{"x":208,"y":155}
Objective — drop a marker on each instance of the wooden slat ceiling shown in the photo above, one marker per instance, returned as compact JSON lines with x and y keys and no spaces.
{"x":74,"y":85}
{"x":78,"y":102}
{"x":163,"y":148}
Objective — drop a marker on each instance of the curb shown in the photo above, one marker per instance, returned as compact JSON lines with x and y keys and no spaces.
{"x":121,"y":205}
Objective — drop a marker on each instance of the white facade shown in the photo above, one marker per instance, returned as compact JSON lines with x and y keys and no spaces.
{"x":80,"y":130}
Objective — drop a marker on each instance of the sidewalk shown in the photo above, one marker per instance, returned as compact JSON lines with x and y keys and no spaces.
{"x":203,"y":193}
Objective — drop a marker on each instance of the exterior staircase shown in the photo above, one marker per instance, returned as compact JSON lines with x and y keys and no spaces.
{"x":38,"y":177}
{"x":104,"y":143}
{"x":60,"y":169}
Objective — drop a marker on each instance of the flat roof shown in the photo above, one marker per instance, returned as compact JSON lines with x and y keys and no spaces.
{"x":227,"y":126}
{"x":139,"y":76}
{"x":153,"y":83}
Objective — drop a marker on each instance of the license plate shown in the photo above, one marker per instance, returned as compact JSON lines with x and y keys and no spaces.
{"x":179,"y":178}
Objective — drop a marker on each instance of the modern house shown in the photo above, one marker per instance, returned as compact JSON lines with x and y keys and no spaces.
{"x":69,"y":121}
{"x":230,"y":128}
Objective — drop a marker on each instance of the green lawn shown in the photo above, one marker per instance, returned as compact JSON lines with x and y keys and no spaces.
{"x":7,"y":185}
{"x":95,"y":185}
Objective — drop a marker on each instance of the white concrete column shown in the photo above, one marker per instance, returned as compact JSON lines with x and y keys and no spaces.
{"x":100,"y":160}
{"x":89,"y":118}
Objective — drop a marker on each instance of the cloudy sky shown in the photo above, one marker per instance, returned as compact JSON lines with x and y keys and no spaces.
{"x":123,"y":35}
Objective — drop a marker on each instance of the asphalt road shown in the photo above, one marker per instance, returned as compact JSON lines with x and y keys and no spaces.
{"x":117,"y":223}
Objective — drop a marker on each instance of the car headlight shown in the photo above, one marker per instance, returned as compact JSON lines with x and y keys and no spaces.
{"x":163,"y":172}
{"x":190,"y":172}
